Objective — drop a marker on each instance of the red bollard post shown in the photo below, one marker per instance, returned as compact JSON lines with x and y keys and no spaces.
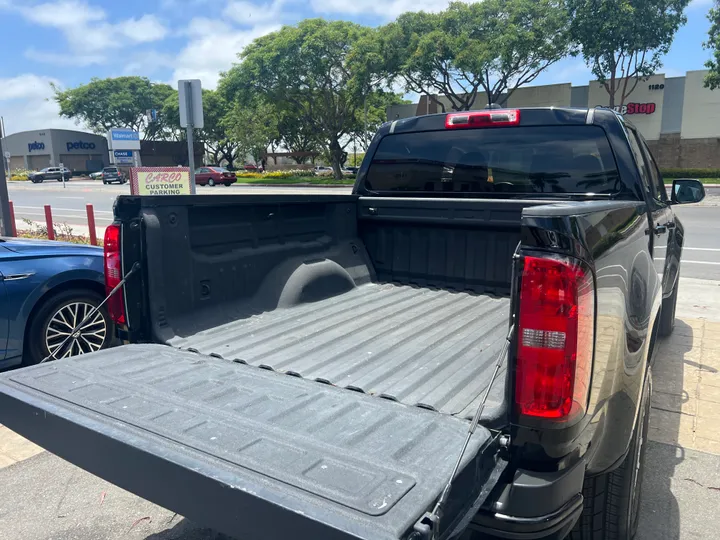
{"x":49,"y":222}
{"x":91,"y":224}
{"x":13,"y":230}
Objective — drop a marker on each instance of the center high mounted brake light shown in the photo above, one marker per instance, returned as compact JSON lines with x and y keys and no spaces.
{"x":477,"y":119}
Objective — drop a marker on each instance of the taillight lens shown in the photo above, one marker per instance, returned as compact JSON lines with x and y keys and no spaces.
{"x":476,"y":119}
{"x":113,"y":273}
{"x":555,"y":338}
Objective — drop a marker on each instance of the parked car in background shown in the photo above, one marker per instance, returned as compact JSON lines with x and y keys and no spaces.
{"x":322,"y":170}
{"x":251,"y":167}
{"x":111,"y":175}
{"x":46,"y":288}
{"x":210,"y":176}
{"x":50,"y":173}
{"x":97,"y":175}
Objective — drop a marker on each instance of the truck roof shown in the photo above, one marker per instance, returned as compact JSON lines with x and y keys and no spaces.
{"x":529,"y":116}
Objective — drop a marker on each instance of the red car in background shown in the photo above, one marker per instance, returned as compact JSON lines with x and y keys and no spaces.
{"x":210,"y":176}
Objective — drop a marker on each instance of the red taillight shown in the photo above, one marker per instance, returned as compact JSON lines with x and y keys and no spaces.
{"x":476,"y":119}
{"x":113,"y":274}
{"x":555,"y":338}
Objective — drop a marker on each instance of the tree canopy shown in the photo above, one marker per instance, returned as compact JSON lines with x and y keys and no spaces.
{"x":623,"y":41}
{"x":310,"y":70}
{"x":122,"y":102}
{"x":491,"y":47}
{"x":712,"y":80}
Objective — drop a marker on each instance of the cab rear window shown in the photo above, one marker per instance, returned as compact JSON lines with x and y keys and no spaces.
{"x":532,"y":159}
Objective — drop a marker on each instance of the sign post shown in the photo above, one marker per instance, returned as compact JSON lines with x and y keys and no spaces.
{"x":191,"y":116}
{"x":6,"y":225}
{"x":62,"y":173}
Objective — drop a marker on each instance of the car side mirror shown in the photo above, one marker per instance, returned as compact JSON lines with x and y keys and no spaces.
{"x":687,"y":191}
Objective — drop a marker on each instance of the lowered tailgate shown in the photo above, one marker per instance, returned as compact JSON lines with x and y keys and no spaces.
{"x":251,"y":453}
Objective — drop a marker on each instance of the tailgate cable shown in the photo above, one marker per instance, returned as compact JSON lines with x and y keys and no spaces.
{"x":76,"y":331}
{"x":428,"y":528}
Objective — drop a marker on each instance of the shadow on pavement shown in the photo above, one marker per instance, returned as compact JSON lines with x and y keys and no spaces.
{"x":186,"y":530}
{"x":659,"y":510}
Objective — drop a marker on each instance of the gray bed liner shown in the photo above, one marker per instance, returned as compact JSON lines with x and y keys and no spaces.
{"x":425,"y":347}
{"x":255,"y":454}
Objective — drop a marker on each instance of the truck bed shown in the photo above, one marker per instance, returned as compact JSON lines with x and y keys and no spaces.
{"x":254,"y":454}
{"x":434,"y":349}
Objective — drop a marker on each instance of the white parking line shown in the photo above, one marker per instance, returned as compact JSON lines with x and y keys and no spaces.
{"x":691,"y":262}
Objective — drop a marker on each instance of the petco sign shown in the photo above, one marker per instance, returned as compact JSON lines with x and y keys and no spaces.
{"x":36,"y":146}
{"x":80,"y":145}
{"x":636,"y":108}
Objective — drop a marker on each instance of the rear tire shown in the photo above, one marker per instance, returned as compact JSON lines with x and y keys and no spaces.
{"x":612,"y":500}
{"x":228,"y":184}
{"x":667,"y":311}
{"x":46,"y":328}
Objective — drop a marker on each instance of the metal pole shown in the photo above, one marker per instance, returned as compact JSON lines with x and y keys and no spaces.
{"x":6,"y":225}
{"x":189,"y":129}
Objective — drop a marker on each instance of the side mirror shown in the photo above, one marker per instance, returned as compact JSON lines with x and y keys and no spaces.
{"x":686,"y":191}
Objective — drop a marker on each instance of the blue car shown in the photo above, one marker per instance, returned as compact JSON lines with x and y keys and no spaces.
{"x":46,"y":289}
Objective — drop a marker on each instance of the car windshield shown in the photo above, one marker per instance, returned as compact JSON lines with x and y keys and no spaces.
{"x":111,"y":170}
{"x":557,"y":159}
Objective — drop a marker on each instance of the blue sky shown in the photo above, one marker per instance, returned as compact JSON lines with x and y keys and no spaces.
{"x":66,"y":42}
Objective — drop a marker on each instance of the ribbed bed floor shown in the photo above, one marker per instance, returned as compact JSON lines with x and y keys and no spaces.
{"x":431,"y":348}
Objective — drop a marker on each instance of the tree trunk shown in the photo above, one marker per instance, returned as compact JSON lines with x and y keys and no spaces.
{"x":336,"y":155}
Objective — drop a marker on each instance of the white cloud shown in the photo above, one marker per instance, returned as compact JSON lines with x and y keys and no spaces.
{"x":205,"y":55}
{"x":145,"y":29}
{"x":26,"y":104}
{"x":148,"y":62}
{"x":87,"y":29}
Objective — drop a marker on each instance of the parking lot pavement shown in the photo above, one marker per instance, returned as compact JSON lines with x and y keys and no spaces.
{"x":43,"y":497}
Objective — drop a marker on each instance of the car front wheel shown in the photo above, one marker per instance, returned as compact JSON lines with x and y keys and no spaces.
{"x":55,"y":320}
{"x":211,"y":182}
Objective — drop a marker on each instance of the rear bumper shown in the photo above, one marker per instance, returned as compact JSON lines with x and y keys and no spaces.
{"x":535,"y":505}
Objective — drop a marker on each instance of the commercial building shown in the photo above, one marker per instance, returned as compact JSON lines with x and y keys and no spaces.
{"x":80,"y":151}
{"x":76,"y":150}
{"x":678,"y":116}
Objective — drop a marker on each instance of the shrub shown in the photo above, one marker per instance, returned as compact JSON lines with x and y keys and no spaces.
{"x":248,"y":174}
{"x":690,"y":173}
{"x":19,"y":175}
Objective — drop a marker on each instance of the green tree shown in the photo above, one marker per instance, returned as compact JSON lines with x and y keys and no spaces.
{"x":252,"y":128}
{"x":309,"y":69}
{"x":491,"y":47}
{"x":623,"y":41}
{"x":712,"y":80}
{"x":121,"y":102}
{"x":215,"y":135}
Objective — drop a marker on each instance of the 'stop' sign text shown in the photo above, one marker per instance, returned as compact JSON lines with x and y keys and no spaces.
{"x":636,"y":108}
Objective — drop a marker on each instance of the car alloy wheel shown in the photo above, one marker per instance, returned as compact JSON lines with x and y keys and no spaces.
{"x":211,"y":182}
{"x":89,"y":338}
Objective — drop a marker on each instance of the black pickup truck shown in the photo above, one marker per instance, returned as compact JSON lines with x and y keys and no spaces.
{"x":462,"y":347}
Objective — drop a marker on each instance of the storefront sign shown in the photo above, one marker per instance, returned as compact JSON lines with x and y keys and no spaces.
{"x":36,"y":146}
{"x":123,"y":157}
{"x":123,"y":139}
{"x":636,"y":108}
{"x":80,"y":145}
{"x":160,"y":181}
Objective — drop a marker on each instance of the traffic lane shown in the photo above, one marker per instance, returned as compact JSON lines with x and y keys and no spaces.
{"x":701,"y":252}
{"x":68,"y":204}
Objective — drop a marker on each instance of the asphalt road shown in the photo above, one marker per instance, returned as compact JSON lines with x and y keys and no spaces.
{"x":68,"y":204}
